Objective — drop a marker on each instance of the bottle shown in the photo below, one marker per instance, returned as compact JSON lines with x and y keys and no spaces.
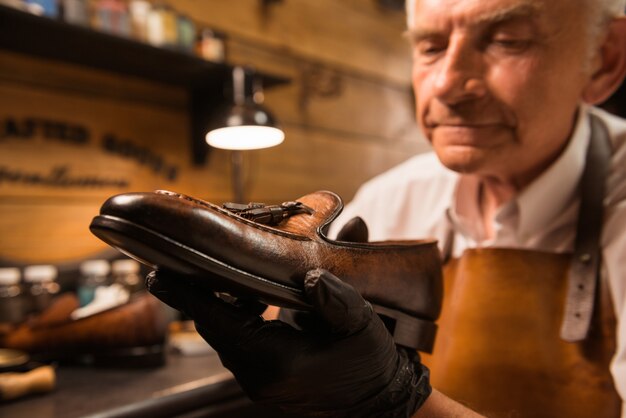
{"x":76,"y":12}
{"x":40,"y":280}
{"x":170,"y":26}
{"x":210,"y":46}
{"x":186,"y":33}
{"x":139,"y":11}
{"x":12,"y":309}
{"x":48,"y":8}
{"x":93,"y":274}
{"x":126,"y":274}
{"x":112,"y":16}
{"x":162,"y":26}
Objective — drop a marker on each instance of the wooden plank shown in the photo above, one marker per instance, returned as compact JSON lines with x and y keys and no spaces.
{"x":55,"y":228}
{"x":47,"y":232}
{"x":49,"y":223}
{"x":20,"y":69}
{"x":355,"y":34}
{"x":315,"y":160}
{"x":321,"y":96}
{"x":335,"y":138}
{"x":356,"y":106}
{"x":117,"y":132}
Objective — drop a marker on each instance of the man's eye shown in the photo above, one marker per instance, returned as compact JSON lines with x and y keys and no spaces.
{"x":511,"y":44}
{"x":429,"y":48}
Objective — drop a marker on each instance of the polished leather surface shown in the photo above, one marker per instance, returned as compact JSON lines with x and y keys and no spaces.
{"x":403,"y":275}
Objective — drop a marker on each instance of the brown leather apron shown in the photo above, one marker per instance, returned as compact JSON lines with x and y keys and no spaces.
{"x":499,"y":349}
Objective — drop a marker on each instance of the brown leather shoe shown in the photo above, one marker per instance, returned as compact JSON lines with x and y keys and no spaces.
{"x":244,"y":257}
{"x":132,"y":334}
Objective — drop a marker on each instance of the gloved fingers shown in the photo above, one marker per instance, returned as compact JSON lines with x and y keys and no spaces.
{"x":251,"y":305}
{"x":224,"y":321}
{"x":302,"y":320}
{"x":164,"y":290}
{"x":289,"y":316}
{"x":336,"y":302}
{"x":412,"y":355}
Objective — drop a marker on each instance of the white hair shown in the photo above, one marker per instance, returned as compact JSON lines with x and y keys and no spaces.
{"x":612,"y":7}
{"x":608,"y":9}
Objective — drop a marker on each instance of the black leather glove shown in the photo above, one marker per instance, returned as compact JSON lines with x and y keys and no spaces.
{"x":355,"y":230}
{"x":344,"y":365}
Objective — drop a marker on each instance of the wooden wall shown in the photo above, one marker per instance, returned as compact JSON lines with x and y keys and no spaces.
{"x":347,"y":115}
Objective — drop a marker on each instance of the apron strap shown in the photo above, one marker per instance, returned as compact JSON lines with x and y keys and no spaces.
{"x":585,"y":266}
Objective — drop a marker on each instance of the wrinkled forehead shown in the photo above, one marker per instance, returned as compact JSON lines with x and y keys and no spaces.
{"x":475,"y":11}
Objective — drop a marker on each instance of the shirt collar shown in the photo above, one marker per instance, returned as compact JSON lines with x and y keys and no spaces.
{"x":539,"y":203}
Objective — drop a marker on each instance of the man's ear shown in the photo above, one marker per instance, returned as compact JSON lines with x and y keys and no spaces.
{"x":609,"y":66}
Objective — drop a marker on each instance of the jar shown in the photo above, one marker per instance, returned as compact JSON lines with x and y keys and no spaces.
{"x":12,"y":309}
{"x":210,"y":46}
{"x":162,"y":26}
{"x":93,"y":274}
{"x":76,"y":12}
{"x":186,"y":33}
{"x":139,"y":11}
{"x":112,"y":16}
{"x":126,"y":274}
{"x":40,"y":280}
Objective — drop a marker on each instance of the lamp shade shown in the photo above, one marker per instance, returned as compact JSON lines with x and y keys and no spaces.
{"x":245,"y":124}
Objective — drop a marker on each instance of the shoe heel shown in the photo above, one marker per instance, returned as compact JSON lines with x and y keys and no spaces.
{"x":408,"y":331}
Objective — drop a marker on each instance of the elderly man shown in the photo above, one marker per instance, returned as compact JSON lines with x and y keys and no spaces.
{"x":521,"y":170}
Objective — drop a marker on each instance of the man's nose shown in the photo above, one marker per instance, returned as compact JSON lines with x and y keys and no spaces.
{"x":460,"y":75}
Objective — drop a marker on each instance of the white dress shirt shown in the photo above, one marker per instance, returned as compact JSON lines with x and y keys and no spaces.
{"x":420,"y":198}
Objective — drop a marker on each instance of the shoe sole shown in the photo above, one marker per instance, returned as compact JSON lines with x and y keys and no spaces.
{"x":161,"y":252}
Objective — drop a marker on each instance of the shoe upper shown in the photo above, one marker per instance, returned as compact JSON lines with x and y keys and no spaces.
{"x":403,"y":275}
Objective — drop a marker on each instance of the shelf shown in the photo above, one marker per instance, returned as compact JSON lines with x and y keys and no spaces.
{"x":54,"y":39}
{"x":57,"y":40}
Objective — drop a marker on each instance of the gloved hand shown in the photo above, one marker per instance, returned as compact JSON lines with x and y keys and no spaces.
{"x":355,"y":230}
{"x":343,"y":365}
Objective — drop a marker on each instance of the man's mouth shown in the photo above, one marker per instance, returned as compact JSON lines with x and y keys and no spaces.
{"x":467,"y":125}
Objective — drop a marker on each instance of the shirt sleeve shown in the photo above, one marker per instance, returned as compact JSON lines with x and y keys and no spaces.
{"x":405,"y":203}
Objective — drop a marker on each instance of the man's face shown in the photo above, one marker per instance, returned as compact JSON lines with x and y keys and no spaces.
{"x":497,"y":82}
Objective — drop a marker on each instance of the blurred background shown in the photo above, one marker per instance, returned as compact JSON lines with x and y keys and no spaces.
{"x":100,"y":97}
{"x":83,"y":119}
